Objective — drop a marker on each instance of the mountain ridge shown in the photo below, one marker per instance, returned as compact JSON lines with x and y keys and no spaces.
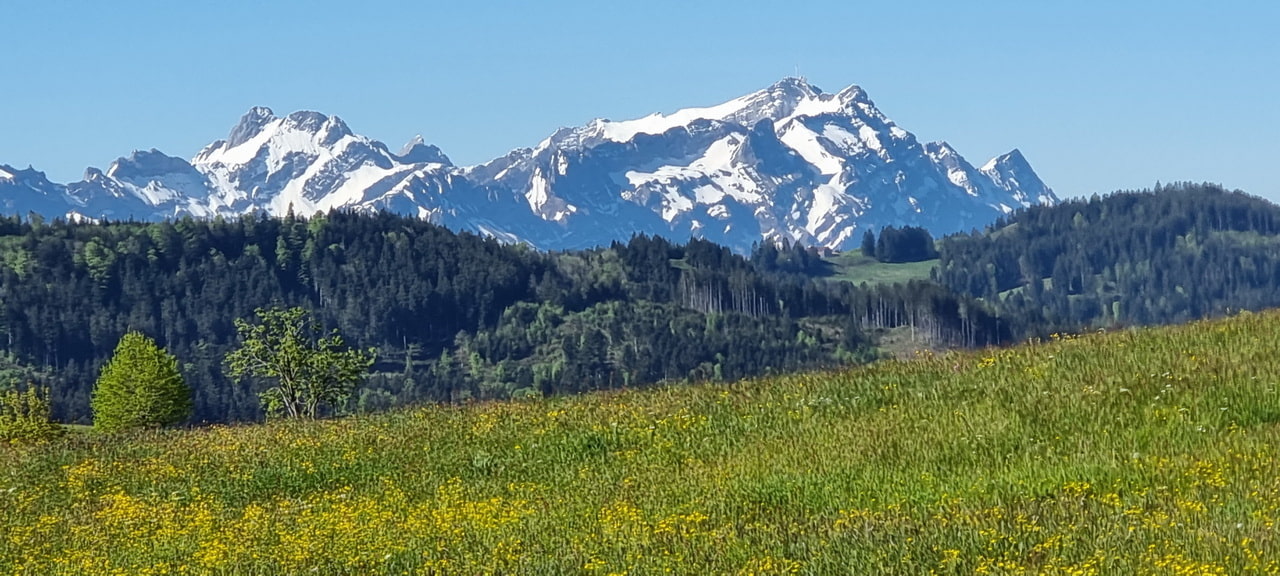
{"x":788,"y":162}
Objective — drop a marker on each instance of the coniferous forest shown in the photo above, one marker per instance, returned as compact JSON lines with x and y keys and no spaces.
{"x":1159,"y":256}
{"x":457,"y":317}
{"x":453,"y":316}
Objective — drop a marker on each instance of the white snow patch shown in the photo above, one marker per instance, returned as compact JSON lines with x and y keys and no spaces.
{"x":716,"y":164}
{"x":77,"y":217}
{"x":842,"y":138}
{"x":821,"y":104}
{"x":6,"y":175}
{"x":658,"y":123}
{"x":845,"y":234}
{"x":675,"y":204}
{"x":870,"y":137}
{"x":543,"y":145}
{"x":543,"y":201}
{"x":805,"y":142}
{"x":539,"y":191}
{"x":246,"y":151}
{"x":154,"y":193}
{"x":505,"y":237}
{"x":824,"y":203}
{"x":718,"y":156}
{"x":352,"y":190}
{"x":708,"y":194}
{"x":281,"y":142}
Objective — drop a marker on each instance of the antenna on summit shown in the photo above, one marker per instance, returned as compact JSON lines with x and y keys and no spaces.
{"x":798,"y":76}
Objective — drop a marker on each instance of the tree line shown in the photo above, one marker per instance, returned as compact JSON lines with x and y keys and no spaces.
{"x":451,"y":316}
{"x":1163,"y":255}
{"x":141,"y":386}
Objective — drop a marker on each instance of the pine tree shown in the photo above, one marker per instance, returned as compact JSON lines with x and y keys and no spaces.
{"x":869,"y":244}
{"x":140,"y":388}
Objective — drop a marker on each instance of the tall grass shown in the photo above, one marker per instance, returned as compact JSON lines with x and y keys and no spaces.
{"x":1149,"y":452}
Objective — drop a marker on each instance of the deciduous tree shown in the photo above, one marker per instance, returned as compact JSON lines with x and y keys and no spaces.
{"x":25,"y":416}
{"x":310,"y":369}
{"x":140,"y":387}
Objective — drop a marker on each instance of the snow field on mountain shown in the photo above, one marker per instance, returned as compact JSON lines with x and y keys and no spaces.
{"x":809,"y":166}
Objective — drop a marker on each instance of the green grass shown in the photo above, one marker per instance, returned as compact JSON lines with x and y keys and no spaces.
{"x":857,"y":268}
{"x":1135,"y":452}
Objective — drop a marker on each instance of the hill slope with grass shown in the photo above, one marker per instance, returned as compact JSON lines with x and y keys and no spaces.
{"x":856,"y":268}
{"x":1134,"y":452}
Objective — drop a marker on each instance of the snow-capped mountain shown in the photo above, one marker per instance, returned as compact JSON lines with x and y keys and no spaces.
{"x":789,"y":161}
{"x":29,"y":191}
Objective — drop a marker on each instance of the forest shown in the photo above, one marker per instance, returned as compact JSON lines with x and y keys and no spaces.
{"x":456,"y":317}
{"x":1165,"y":255}
{"x":453,"y":316}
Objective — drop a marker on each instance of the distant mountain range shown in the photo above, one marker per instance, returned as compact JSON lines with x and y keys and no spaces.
{"x":789,"y":161}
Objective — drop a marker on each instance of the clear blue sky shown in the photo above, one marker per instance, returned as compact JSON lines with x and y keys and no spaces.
{"x":1099,"y":97}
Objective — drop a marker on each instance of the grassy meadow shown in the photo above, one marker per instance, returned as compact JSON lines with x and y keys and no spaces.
{"x":1133,"y":452}
{"x":856,"y":268}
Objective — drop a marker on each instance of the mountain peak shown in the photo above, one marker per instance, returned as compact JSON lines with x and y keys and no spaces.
{"x":144,"y":164}
{"x":776,"y":101}
{"x":250,"y":125}
{"x":411,"y":144}
{"x":1011,"y":160}
{"x":1016,"y":156}
{"x":1011,"y":171}
{"x":853,"y":93}
{"x":786,"y":160}
{"x":329,"y":128}
{"x":417,"y":151}
{"x":794,"y":86}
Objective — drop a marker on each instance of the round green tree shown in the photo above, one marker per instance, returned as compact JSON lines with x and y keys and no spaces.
{"x":140,"y":388}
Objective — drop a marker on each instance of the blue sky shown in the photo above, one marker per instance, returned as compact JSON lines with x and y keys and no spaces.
{"x":1098,"y":95}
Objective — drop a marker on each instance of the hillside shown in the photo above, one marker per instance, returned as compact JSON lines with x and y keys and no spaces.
{"x":855,"y":268}
{"x":454,"y":316}
{"x":1171,"y":254}
{"x":1133,"y":452}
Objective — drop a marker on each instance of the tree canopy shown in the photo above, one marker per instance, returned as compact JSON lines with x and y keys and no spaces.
{"x":140,"y":387}
{"x":311,"y":370}
{"x":452,"y":315}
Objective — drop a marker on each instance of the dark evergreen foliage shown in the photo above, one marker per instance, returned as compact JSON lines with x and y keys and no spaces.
{"x":907,"y":244}
{"x":1171,"y":254}
{"x":869,"y":244}
{"x":453,"y":315}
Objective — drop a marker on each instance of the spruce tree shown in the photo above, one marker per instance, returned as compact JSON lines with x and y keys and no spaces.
{"x":869,"y":244}
{"x":140,"y":388}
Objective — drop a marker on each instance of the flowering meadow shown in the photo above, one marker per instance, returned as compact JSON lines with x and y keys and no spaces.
{"x":1129,"y":452}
